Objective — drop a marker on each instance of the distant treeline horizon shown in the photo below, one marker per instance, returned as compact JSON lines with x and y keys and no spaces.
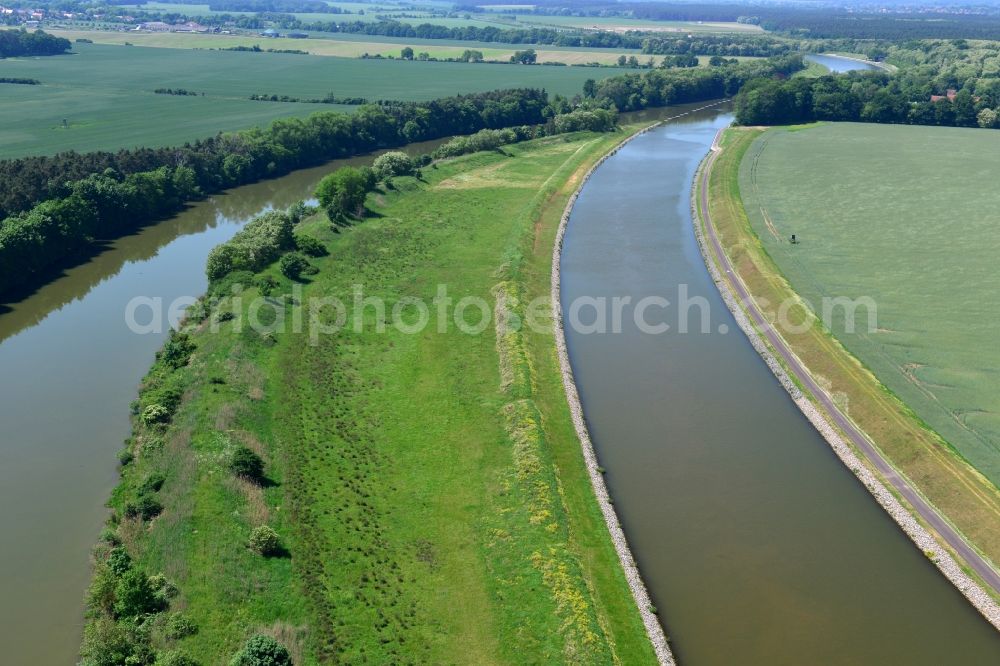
{"x":56,"y":207}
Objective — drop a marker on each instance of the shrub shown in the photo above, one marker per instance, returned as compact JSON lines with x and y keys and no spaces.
{"x":310,"y":246}
{"x":179,"y":626}
{"x":134,"y":595}
{"x":165,"y":390}
{"x":110,"y":537}
{"x":393,"y":163}
{"x":597,"y":120}
{"x":105,"y":643}
{"x":152,"y":483}
{"x":253,"y":247}
{"x":266,"y":285}
{"x":155,"y":414}
{"x":175,"y":658}
{"x":247,"y":463}
{"x":125,"y":456}
{"x":163,"y":588}
{"x":177,"y":350}
{"x":145,"y":507}
{"x":293,"y":265}
{"x":233,"y":283}
{"x":119,"y":561}
{"x":262,"y":651}
{"x":265,"y":541}
{"x":342,"y":193}
{"x":300,"y":211}
{"x":101,"y":593}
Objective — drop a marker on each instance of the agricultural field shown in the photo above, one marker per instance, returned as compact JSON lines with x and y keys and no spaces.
{"x":351,"y":45}
{"x":351,"y":11}
{"x":620,"y":24}
{"x":108,"y":102}
{"x":901,"y":215}
{"x":428,"y":488}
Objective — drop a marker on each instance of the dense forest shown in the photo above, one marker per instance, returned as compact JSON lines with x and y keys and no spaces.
{"x":727,"y":45}
{"x":662,"y":87}
{"x":102,"y":195}
{"x":721,"y":45}
{"x":813,"y":22}
{"x":868,"y":97}
{"x":14,"y":43}
{"x":311,"y":6}
{"x":940,"y":82}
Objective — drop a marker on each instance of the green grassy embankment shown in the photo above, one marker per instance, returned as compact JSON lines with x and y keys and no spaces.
{"x":429,"y":487}
{"x":887,"y":258}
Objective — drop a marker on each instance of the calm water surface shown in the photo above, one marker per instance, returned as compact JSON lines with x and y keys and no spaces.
{"x":838,"y":65}
{"x":757,"y":544}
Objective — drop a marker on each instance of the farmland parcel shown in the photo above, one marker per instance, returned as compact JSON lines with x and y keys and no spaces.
{"x":903,"y":216}
{"x":105,"y":94}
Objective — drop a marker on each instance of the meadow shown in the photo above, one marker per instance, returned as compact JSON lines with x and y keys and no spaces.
{"x":429,"y":488}
{"x":901,"y":215}
{"x":105,"y":93}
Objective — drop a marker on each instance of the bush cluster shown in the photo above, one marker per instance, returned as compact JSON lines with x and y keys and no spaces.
{"x":255,"y":246}
{"x":265,"y":541}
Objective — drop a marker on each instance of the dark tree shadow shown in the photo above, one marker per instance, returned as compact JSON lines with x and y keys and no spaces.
{"x":278,"y":553}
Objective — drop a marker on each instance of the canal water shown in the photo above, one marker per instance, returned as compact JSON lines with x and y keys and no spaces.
{"x":840,"y":64}
{"x":758,"y":546}
{"x":69,"y":367}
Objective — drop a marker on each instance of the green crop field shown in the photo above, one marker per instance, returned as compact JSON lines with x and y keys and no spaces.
{"x":349,"y":45}
{"x":105,"y":93}
{"x":906,"y":216}
{"x":464,"y":44}
{"x":429,"y":487}
{"x":404,"y":13}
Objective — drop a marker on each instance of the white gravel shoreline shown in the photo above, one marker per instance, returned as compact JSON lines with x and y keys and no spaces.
{"x":976,"y":595}
{"x":649,"y":618}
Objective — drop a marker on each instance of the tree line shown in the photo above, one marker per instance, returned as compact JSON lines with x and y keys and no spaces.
{"x":804,"y":21}
{"x":728,"y":45}
{"x":102,"y":195}
{"x":874,"y":97}
{"x":731,"y":45}
{"x":289,"y":6}
{"x":92,"y":196}
{"x":17,"y":43}
{"x":663,"y":87}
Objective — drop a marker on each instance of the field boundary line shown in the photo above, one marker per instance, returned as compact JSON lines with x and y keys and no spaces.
{"x":830,"y":421}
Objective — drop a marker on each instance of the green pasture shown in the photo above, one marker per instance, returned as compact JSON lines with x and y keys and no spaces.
{"x":907,"y":216}
{"x":433,"y":512}
{"x":105,"y":93}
